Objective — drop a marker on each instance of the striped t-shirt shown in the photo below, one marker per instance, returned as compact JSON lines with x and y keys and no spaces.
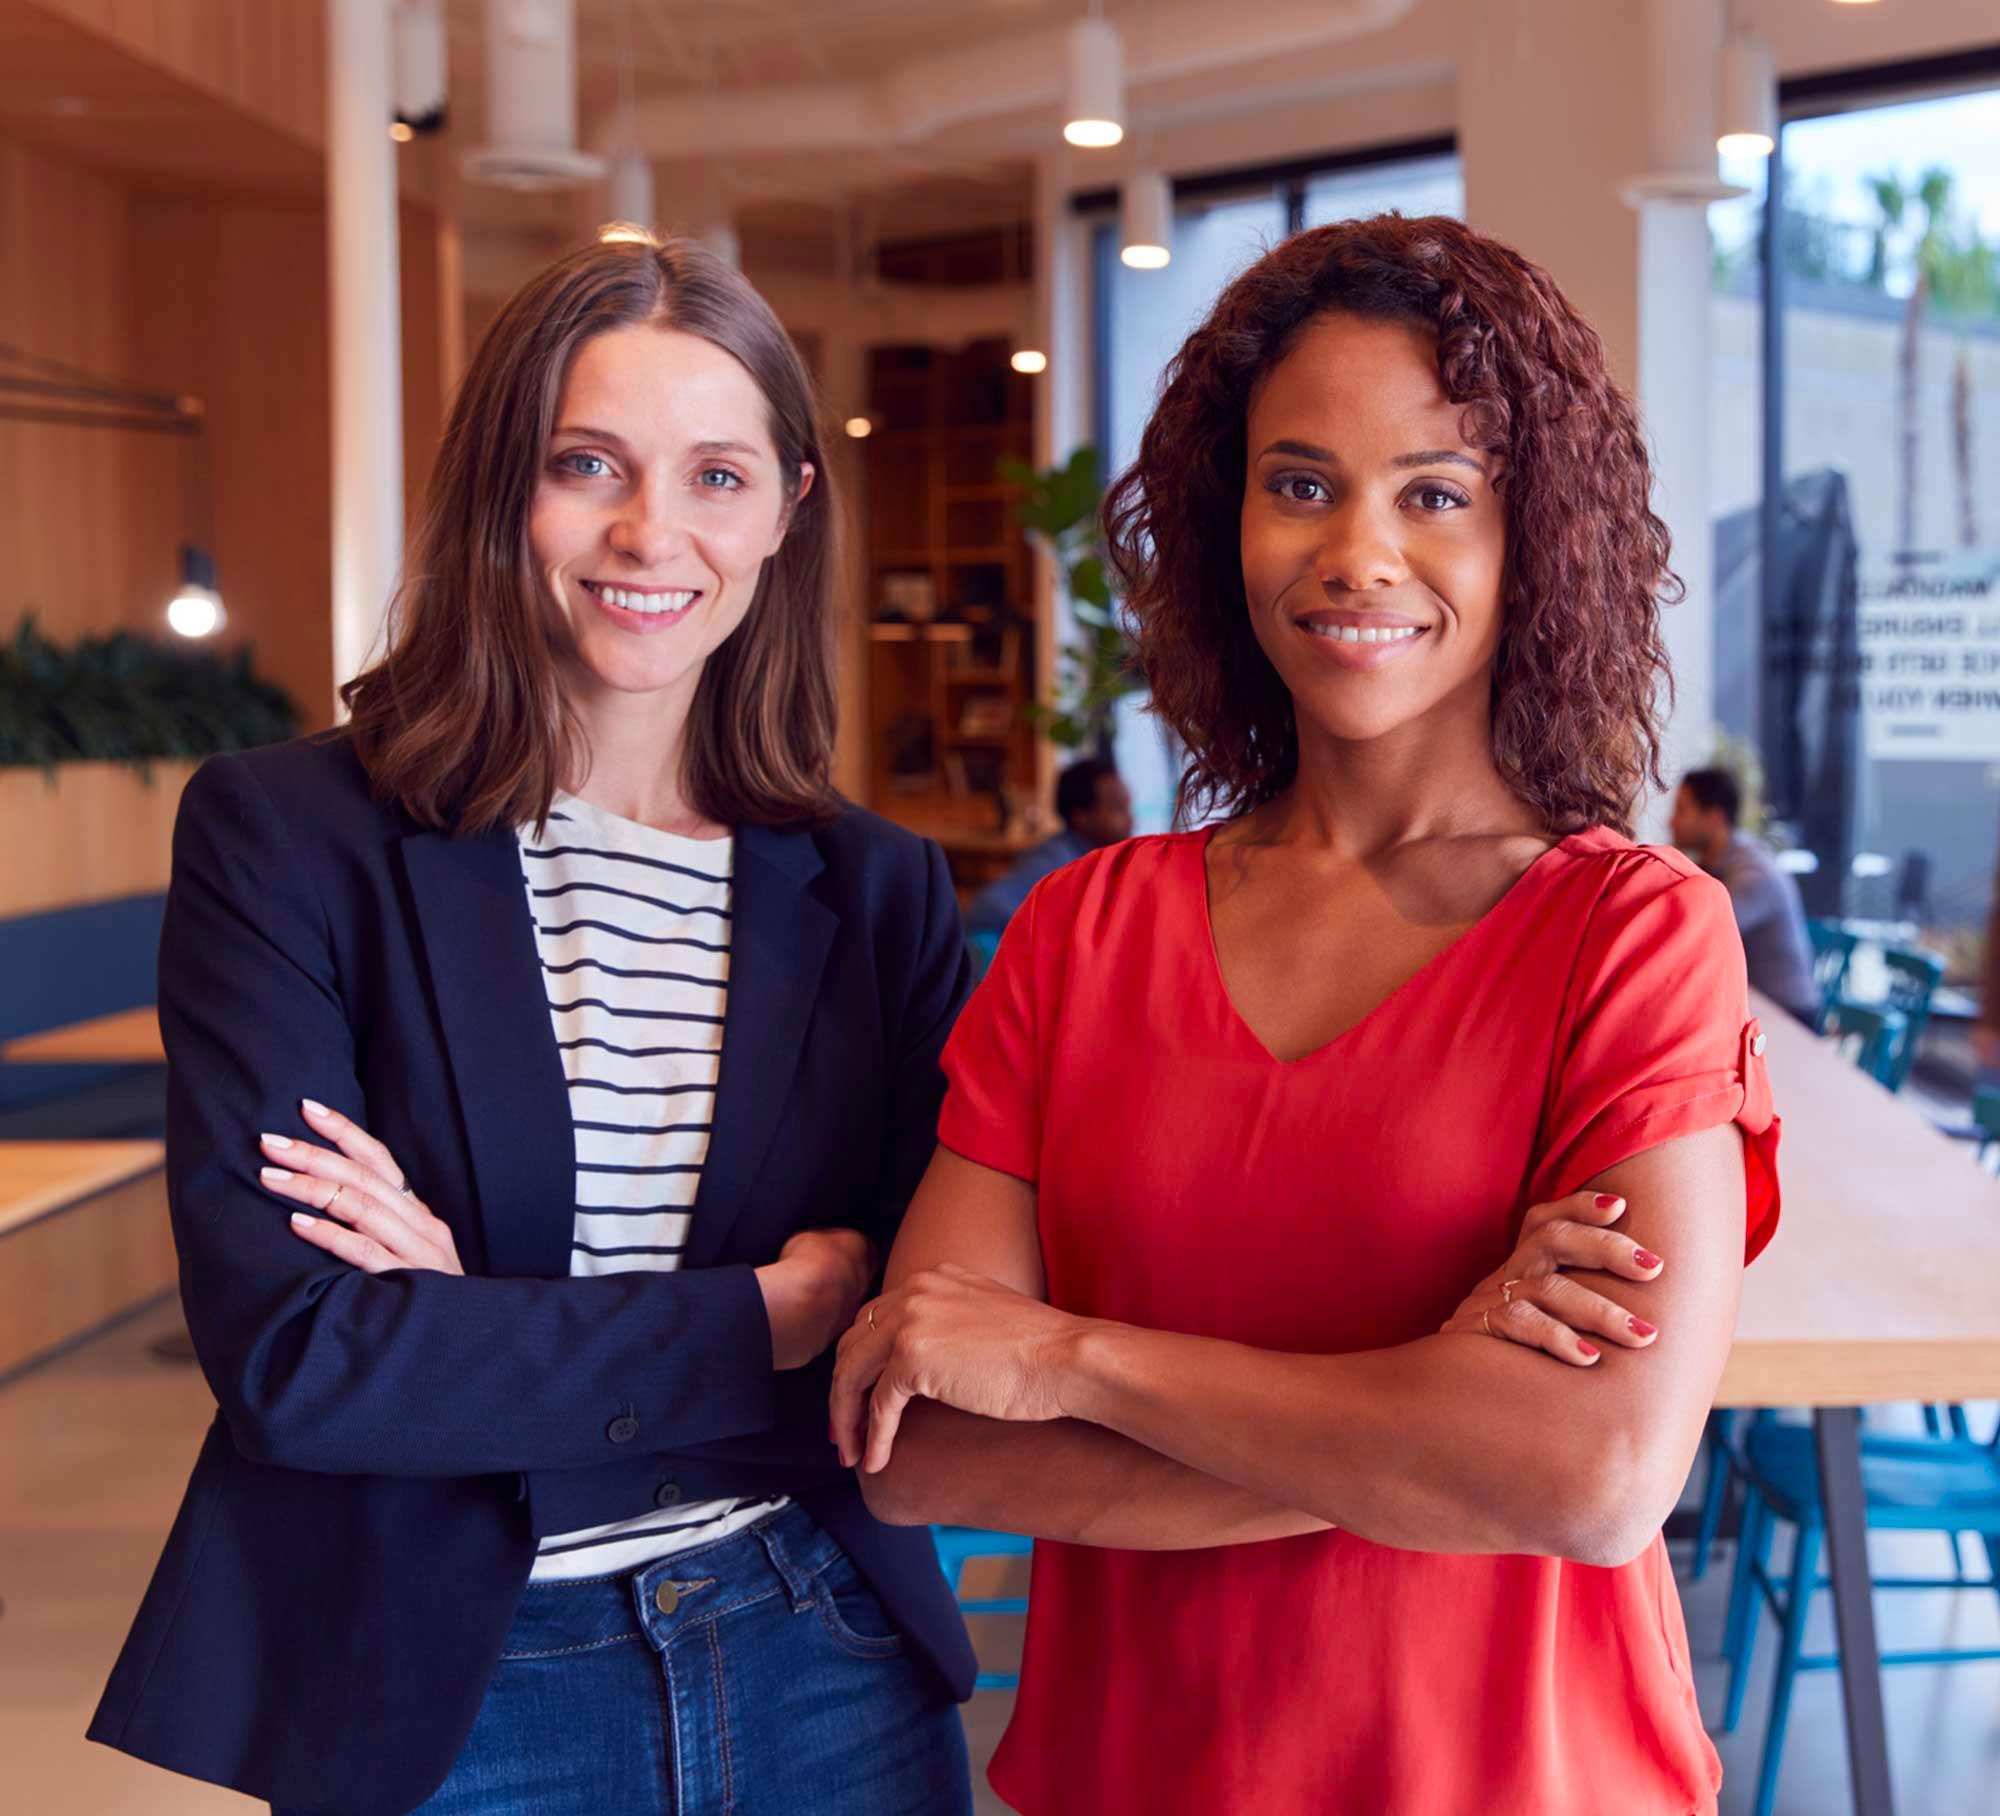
{"x":633,"y":926}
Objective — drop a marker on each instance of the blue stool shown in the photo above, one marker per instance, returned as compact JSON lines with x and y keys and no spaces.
{"x":958,"y":1545}
{"x":1943,"y":1485}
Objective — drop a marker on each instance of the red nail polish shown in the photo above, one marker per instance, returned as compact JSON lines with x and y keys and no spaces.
{"x":1645,"y":1258}
{"x":1605,"y":1200}
{"x":1640,"y":1328}
{"x":1588,"y":1349}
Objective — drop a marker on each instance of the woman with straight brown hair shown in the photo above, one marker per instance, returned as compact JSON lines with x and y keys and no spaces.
{"x":552,"y":1056}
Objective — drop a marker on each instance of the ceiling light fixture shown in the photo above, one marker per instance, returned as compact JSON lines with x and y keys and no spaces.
{"x":1094,"y":91}
{"x":1146,"y":221}
{"x":1029,"y":360}
{"x":1747,"y":123}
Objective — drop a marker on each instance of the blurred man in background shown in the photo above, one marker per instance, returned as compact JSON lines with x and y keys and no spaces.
{"x":1096,"y":809}
{"x":1769,"y":913}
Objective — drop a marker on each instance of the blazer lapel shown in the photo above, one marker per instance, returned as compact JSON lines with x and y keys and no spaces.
{"x":479,"y":943}
{"x":778,"y":942}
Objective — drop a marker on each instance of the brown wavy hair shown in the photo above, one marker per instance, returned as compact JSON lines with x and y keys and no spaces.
{"x":1578,"y":678}
{"x":464,"y":722}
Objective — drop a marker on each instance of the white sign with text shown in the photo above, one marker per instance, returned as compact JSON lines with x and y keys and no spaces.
{"x":1930,"y":659}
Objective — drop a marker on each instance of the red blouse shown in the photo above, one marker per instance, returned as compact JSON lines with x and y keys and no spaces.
{"x":1347,"y":1201}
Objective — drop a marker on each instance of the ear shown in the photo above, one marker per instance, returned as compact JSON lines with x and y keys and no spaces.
{"x":806,"y":477}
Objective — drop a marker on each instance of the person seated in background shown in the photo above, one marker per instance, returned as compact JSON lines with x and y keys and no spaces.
{"x":1769,"y":912}
{"x":1096,"y":809}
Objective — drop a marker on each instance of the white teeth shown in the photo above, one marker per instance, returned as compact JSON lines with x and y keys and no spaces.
{"x":1348,"y":633}
{"x":650,"y":605}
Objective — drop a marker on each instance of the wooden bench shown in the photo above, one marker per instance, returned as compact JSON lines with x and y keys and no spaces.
{"x":84,"y":1239}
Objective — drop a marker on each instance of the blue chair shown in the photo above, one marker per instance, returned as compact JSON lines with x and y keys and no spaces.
{"x":956,"y":1546}
{"x":1944,"y":1485}
{"x":982,"y":946}
{"x":1986,"y":1117}
{"x":1832,"y":947}
{"x":1913,"y":980}
{"x":1876,"y":1037}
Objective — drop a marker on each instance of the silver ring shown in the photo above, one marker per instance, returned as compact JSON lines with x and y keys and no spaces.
{"x":407,"y":1189}
{"x":331,"y":1202}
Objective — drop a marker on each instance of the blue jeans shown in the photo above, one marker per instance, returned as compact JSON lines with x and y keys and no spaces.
{"x":775,"y":1686}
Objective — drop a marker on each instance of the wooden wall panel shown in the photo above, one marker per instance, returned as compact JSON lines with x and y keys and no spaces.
{"x":97,"y":831}
{"x":87,"y":516}
{"x":266,"y":57}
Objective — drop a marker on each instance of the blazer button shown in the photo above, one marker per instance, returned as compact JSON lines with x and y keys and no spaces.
{"x":622,"y":1430}
{"x":668,"y":1494}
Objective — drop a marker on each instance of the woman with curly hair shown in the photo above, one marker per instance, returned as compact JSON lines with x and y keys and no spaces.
{"x":1244,"y":1126}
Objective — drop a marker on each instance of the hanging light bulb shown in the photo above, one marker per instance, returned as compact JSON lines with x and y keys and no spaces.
{"x":632,"y":189}
{"x":196,"y":610}
{"x":1094,"y":93}
{"x":1146,"y":222}
{"x":859,"y":427}
{"x":1747,"y":125}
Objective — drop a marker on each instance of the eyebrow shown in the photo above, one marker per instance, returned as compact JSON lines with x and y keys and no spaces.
{"x":586,"y":433}
{"x":1422,"y":457}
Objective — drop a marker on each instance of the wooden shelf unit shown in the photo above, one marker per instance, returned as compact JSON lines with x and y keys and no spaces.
{"x":939,"y":513}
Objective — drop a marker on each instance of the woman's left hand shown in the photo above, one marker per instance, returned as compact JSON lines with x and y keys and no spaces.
{"x":950,"y":1335}
{"x":381,"y":1223}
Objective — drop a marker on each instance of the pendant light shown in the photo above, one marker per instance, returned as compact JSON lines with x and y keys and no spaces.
{"x":1747,"y":124}
{"x":1094,"y":91}
{"x":1146,"y":221}
{"x":631,"y":188}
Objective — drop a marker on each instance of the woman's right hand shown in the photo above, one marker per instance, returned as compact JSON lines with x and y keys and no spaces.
{"x":813,"y":1291}
{"x":1530,"y":1300}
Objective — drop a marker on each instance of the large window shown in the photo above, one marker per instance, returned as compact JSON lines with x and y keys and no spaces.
{"x":1143,"y":317}
{"x":1858,"y":547}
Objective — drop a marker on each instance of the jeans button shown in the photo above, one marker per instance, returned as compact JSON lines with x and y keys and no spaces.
{"x":622,"y":1430}
{"x":667,"y":1597}
{"x":668,"y":1494}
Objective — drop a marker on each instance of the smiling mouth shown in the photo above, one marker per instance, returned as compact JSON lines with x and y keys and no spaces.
{"x":655,"y":602}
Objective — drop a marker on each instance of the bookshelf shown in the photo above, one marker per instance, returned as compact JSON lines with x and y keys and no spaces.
{"x":950,"y":653}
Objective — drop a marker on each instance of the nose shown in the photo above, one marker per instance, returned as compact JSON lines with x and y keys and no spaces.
{"x":648,"y":532}
{"x":1359,"y":548}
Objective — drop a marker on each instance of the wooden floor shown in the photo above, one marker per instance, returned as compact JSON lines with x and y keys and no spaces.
{"x":95,"y":1448}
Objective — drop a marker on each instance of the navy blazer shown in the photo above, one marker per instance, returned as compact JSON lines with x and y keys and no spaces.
{"x":388,"y":1449}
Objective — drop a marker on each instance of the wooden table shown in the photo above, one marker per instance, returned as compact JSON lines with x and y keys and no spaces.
{"x":1882,"y":1285}
{"x":130,"y":1037}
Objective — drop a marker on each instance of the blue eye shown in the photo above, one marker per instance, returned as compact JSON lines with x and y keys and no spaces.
{"x":720,"y":479}
{"x":570,"y":463}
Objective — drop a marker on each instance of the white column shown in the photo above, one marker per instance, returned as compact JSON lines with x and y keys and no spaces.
{"x":366,"y":328}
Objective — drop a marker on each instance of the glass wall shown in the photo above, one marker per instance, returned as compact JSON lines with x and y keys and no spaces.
{"x":1143,"y":317}
{"x":1861,"y":662}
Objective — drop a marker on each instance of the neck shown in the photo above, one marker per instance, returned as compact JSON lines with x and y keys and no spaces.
{"x":1718,"y":847}
{"x":636,"y":743}
{"x":1434,"y":778}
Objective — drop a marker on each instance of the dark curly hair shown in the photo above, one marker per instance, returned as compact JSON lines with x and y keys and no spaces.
{"x":1581,"y":666}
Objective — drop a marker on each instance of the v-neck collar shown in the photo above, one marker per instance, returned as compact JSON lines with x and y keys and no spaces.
{"x":1419,"y":978}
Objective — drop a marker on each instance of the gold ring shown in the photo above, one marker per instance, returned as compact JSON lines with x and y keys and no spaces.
{"x":1507,"y":1291}
{"x":871,"y":1318}
{"x":329,"y":1204}
{"x":1486,"y":1322}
